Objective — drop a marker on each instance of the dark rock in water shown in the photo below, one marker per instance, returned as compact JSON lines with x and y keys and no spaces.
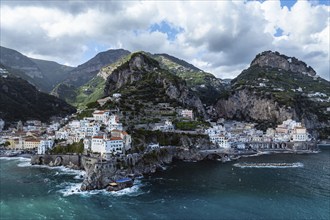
{"x":100,"y":175}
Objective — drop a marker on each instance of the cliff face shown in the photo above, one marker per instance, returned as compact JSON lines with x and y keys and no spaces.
{"x":141,"y":69}
{"x":275,"y":88}
{"x":205,"y":85}
{"x":277,"y":60}
{"x":247,"y":105}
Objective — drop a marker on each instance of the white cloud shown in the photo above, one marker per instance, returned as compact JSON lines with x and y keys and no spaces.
{"x":221,"y":37}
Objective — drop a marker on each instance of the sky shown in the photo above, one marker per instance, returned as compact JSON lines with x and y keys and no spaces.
{"x":220,"y":37}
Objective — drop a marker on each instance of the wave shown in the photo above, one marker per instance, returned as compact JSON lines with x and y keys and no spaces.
{"x":269,"y":165}
{"x":79,"y":174}
{"x":24,"y":164}
{"x":135,"y":190}
{"x":15,"y":158}
{"x":74,"y":189}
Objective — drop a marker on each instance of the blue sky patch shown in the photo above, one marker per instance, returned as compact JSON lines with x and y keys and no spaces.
{"x":166,"y":28}
{"x":279,"y":32}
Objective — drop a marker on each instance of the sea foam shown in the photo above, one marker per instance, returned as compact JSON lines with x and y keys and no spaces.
{"x":269,"y":165}
{"x":74,"y":189}
{"x":79,"y":174}
{"x":15,"y":158}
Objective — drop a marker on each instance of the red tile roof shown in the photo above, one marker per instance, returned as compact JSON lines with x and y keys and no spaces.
{"x":116,"y":139}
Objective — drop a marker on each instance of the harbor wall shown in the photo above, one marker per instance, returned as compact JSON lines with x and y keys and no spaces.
{"x":57,"y":160}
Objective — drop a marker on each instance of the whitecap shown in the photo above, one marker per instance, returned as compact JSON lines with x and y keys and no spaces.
{"x":132,"y":191}
{"x":15,"y":158}
{"x":79,"y":174}
{"x":74,"y":189}
{"x":269,"y":165}
{"x":24,"y":164}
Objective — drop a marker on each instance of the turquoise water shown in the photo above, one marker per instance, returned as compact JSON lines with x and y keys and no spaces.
{"x":203,"y":190}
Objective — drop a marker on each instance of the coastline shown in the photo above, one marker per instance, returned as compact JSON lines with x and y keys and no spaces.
{"x":100,"y":172}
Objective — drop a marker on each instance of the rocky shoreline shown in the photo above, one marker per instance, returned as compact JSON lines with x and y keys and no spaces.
{"x":116,"y":174}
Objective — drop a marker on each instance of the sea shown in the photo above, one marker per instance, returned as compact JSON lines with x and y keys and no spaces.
{"x":184,"y":190}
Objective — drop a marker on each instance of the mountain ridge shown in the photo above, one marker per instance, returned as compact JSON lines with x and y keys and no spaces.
{"x":19,"y":100}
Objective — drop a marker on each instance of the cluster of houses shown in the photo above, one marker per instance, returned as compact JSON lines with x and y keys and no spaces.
{"x":101,"y":133}
{"x":32,"y":135}
{"x":227,"y":135}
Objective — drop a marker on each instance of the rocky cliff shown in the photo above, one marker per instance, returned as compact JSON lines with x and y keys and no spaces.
{"x":275,"y":88}
{"x":141,"y":69}
{"x":205,"y":85}
{"x":277,"y":60}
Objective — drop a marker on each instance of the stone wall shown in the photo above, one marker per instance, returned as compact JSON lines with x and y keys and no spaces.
{"x":73,"y":161}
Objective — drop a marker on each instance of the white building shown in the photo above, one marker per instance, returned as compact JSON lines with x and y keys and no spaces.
{"x":114,"y":145}
{"x":101,"y":115}
{"x":53,"y":127}
{"x":217,"y":129}
{"x":61,"y":134}
{"x":186,"y":113}
{"x":74,"y":124}
{"x":45,"y":145}
{"x":167,"y":126}
{"x":89,"y":129}
{"x":127,"y":139}
{"x":299,"y":134}
{"x":113,"y":123}
{"x":291,"y":130}
{"x":87,"y":144}
{"x":97,"y":144}
{"x":220,"y":140}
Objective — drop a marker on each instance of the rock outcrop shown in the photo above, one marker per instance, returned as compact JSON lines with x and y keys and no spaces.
{"x":249,"y":106}
{"x":277,"y":60}
{"x":100,"y":174}
{"x":142,"y":67}
{"x":276,"y":88}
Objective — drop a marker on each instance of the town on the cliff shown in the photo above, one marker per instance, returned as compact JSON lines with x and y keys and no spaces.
{"x":100,"y":145}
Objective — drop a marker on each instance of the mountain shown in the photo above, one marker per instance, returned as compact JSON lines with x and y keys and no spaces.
{"x":143,"y":78}
{"x":19,"y":100}
{"x":53,"y":72}
{"x":68,"y":89}
{"x":274,"y":88}
{"x":40,"y":73}
{"x":205,"y":85}
{"x":23,"y":67}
